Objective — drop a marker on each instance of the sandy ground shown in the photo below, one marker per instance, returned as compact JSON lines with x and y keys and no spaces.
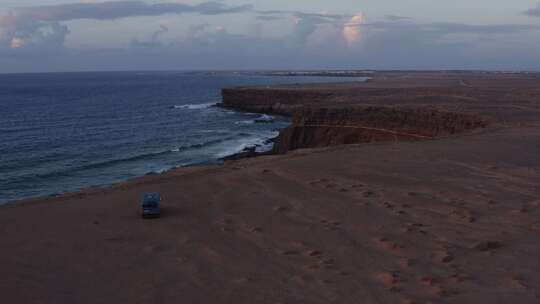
{"x":453,"y":220}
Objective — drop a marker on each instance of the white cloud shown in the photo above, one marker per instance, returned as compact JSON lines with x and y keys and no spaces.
{"x":351,"y":30}
{"x":17,"y":43}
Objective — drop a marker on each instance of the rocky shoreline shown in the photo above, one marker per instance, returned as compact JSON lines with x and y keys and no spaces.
{"x":319,"y":122}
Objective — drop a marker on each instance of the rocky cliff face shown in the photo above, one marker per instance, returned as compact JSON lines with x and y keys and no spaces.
{"x":270,"y":101}
{"x":321,"y":127}
{"x":319,"y":121}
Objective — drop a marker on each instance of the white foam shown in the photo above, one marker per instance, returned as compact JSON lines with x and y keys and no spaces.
{"x":259,"y":141}
{"x":245,"y":122}
{"x":162,"y":170}
{"x":265,"y":118}
{"x":199,"y":106}
{"x":261,"y":119}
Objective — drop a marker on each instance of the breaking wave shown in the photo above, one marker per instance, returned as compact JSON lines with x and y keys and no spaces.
{"x":261,"y":119}
{"x":195,"y":106}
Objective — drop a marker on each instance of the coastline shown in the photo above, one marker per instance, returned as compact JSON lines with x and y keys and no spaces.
{"x":384,"y":220}
{"x":299,"y":101}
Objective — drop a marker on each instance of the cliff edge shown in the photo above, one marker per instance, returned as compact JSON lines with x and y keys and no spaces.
{"x":381,"y":110}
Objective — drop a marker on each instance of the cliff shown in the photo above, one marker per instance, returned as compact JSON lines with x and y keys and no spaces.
{"x":321,"y":127}
{"x":271,"y":101}
{"x":324,"y":116}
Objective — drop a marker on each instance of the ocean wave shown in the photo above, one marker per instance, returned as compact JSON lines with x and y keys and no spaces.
{"x":112,"y":162}
{"x":160,"y":171}
{"x":103,"y":164}
{"x":264,"y":118}
{"x":195,"y":106}
{"x":261,"y":143}
{"x":245,"y":122}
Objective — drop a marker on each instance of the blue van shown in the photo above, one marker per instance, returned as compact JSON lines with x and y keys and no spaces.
{"x":150,"y":205}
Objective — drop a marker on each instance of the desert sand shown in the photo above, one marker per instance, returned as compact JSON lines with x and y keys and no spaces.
{"x":450,"y":220}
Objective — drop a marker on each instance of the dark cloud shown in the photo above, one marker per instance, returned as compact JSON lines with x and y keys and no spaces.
{"x":533,"y":12}
{"x":328,"y":17}
{"x":162,"y":30}
{"x":30,"y":26}
{"x":121,"y":9}
{"x":304,"y":28}
{"x":396,"y":18}
{"x":445,"y":28}
{"x":413,"y":45}
{"x":482,"y":29}
{"x":154,"y":42}
{"x":277,"y":14}
{"x":269,"y":18}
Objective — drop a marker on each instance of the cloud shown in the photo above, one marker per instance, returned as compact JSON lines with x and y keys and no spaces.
{"x":122,"y":9}
{"x":315,"y":40}
{"x":304,"y":28}
{"x":34,"y":34}
{"x":162,"y":30}
{"x":396,"y":18}
{"x":384,"y":45}
{"x":323,"y":17}
{"x":309,"y":25}
{"x":533,"y":12}
{"x":444,"y":45}
{"x":443,"y":28}
{"x":154,"y":42}
{"x":41,"y":25}
{"x":269,"y":18}
{"x":351,"y":30}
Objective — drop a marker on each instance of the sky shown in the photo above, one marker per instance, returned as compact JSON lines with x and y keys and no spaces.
{"x":114,"y":35}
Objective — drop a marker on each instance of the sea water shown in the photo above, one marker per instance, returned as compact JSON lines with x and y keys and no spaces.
{"x":66,"y":131}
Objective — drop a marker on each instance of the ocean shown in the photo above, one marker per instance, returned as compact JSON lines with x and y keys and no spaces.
{"x":66,"y":131}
